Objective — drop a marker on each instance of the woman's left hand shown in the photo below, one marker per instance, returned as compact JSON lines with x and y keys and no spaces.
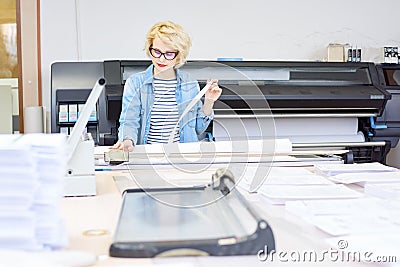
{"x":214,"y":92}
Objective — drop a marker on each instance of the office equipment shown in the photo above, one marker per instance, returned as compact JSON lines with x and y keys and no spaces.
{"x":80,"y":179}
{"x":317,"y":105}
{"x":71,"y":83}
{"x":161,"y":222}
{"x":184,"y":159}
{"x":69,"y":104}
{"x":346,"y":217}
{"x":387,"y":126}
{"x":104,"y":210}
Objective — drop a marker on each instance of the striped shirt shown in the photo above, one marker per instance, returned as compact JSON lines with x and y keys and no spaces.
{"x":164,"y":113}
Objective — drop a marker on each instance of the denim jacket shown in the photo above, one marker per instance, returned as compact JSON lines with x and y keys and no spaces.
{"x":137,"y":103}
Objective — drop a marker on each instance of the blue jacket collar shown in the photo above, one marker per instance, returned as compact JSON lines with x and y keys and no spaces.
{"x":149,"y":75}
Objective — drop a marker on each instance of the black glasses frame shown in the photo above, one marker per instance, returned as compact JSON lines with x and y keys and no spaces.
{"x":151,"y":49}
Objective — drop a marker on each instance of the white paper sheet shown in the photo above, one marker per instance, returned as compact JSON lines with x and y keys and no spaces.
{"x":279,"y":194}
{"x":297,"y":130}
{"x":335,"y":169}
{"x":349,"y":216}
{"x":361,"y":178}
{"x":283,"y":176}
{"x":383,"y":190}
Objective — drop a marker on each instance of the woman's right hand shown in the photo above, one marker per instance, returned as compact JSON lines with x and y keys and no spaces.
{"x":126,"y":145}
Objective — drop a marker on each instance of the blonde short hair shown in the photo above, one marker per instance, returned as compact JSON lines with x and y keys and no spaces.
{"x":173,"y":35}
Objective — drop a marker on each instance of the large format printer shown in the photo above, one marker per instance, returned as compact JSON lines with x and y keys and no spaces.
{"x":314,"y":104}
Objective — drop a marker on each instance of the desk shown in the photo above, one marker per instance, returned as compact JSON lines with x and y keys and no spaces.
{"x":102,"y":211}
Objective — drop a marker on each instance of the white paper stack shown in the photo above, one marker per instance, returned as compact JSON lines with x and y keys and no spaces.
{"x":280,"y":194}
{"x":360,"y":174}
{"x":366,"y":178}
{"x":237,"y":151}
{"x":335,"y":169}
{"x":349,"y":216}
{"x":281,"y":184}
{"x":383,"y":190}
{"x":277,"y":176}
{"x":31,"y":188}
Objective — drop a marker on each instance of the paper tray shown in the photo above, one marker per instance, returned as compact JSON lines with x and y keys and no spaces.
{"x":163,"y":222}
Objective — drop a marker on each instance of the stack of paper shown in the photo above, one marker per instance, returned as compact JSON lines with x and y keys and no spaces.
{"x":365,"y":226}
{"x":383,"y":190}
{"x":366,"y":178}
{"x":361,"y":174}
{"x":280,"y":184}
{"x":280,"y":194}
{"x":335,"y":169}
{"x":349,"y":216}
{"x":276,"y":176}
{"x":32,"y":168}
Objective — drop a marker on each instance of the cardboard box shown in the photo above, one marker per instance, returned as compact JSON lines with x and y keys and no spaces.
{"x":336,"y":52}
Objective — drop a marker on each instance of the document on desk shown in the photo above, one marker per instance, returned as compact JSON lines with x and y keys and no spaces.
{"x":223,"y":150}
{"x":310,"y":208}
{"x":259,"y":146}
{"x":335,"y":169}
{"x":282,"y":176}
{"x":349,"y":216}
{"x":366,"y":177}
{"x":279,"y":194}
{"x":275,"y":151}
{"x":389,"y":190}
{"x":172,"y":178}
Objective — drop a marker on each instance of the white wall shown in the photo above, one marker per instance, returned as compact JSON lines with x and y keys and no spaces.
{"x":95,"y":30}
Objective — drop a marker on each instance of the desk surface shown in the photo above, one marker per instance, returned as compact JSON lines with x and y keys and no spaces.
{"x":85,"y":216}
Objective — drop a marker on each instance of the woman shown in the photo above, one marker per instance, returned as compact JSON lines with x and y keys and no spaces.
{"x":154,"y":100}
